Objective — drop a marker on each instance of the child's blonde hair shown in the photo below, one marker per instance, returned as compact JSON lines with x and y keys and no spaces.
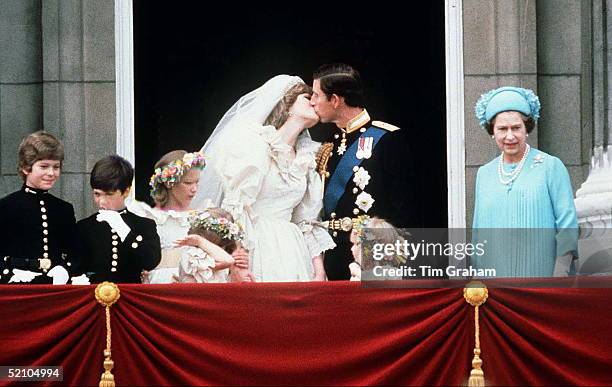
{"x":373,"y":230}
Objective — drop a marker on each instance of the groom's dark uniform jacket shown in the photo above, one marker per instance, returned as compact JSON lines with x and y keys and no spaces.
{"x":391,"y":183}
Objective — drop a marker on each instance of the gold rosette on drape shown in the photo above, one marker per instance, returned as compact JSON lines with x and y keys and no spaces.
{"x":476,"y":294}
{"x":107,"y":293}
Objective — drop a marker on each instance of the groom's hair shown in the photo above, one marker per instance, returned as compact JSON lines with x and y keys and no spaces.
{"x":342,"y":80}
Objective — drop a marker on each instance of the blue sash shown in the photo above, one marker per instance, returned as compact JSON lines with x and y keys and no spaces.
{"x":344,"y":170}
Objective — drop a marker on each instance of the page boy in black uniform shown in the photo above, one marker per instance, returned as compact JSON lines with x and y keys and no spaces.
{"x":37,"y":229}
{"x":117,"y":245}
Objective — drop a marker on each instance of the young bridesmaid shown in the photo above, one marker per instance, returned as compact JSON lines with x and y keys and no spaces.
{"x":206,"y":250}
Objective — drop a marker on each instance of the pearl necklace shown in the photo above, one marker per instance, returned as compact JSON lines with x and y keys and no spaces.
{"x":514,"y":174}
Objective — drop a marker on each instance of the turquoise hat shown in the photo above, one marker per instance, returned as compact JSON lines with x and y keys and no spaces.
{"x":504,"y":99}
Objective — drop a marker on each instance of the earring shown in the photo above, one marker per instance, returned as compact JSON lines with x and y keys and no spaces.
{"x":493,"y":136}
{"x":527,"y":135}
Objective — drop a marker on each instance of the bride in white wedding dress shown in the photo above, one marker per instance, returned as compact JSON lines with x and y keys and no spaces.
{"x":264,"y":173}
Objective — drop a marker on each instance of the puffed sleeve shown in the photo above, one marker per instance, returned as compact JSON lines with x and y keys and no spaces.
{"x":242,"y":167}
{"x":307,"y":214}
{"x":195,"y":266}
{"x":562,"y":198}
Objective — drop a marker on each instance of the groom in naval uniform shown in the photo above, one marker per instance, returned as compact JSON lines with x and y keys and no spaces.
{"x":364,"y":165}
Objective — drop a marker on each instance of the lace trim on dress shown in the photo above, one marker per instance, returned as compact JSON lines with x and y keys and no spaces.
{"x":159,"y":216}
{"x":317,"y":238}
{"x":280,"y":152}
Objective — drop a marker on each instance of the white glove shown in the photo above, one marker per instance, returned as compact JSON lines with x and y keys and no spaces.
{"x":562,"y":265}
{"x":59,"y":274}
{"x":23,"y":276}
{"x":355,"y":271}
{"x":114,"y":219}
{"x":80,"y":280}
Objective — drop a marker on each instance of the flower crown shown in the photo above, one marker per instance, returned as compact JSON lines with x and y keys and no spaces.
{"x":483,"y":102}
{"x":170,"y":174}
{"x":220,"y":226}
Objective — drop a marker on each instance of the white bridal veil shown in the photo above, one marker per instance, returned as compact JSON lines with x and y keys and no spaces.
{"x":250,"y":111}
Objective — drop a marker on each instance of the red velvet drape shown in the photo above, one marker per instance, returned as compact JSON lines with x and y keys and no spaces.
{"x":309,"y":334}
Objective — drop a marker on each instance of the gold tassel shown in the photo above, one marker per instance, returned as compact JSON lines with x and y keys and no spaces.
{"x":107,"y":293}
{"x":476,"y":293}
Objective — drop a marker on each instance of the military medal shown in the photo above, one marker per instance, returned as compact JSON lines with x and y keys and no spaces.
{"x":364,"y":148}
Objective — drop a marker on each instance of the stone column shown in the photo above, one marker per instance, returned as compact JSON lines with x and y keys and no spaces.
{"x":57,"y":73}
{"x":594,"y":198}
{"x":21,"y":96}
{"x":564,"y":83}
{"x":79,"y":89}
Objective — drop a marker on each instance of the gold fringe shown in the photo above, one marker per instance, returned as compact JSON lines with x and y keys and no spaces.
{"x":476,"y":294}
{"x":477,"y":374}
{"x":107,"y":293}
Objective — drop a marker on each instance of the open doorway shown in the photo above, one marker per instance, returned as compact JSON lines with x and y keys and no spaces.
{"x":191,"y":63}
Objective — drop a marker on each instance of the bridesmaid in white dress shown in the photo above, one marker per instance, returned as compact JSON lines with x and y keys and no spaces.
{"x":173,"y":186}
{"x":265,"y":174}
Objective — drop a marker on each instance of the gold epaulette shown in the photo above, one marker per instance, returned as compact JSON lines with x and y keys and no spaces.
{"x":323,"y":156}
{"x":385,"y":126}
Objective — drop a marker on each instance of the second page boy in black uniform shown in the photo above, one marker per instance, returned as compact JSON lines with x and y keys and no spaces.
{"x":117,"y":245}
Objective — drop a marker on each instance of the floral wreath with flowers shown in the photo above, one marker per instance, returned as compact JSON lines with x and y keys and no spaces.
{"x":170,"y":174}
{"x":483,"y":102}
{"x":221,"y":226}
{"x":359,"y":223}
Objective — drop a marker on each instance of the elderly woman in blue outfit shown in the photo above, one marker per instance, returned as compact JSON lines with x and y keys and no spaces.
{"x":524,"y":201}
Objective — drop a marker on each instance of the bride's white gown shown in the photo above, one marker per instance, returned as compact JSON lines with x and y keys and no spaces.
{"x":278,"y":199}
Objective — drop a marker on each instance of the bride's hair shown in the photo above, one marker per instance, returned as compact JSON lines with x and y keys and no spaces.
{"x":280,"y":113}
{"x":162,"y":193}
{"x":229,"y":245}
